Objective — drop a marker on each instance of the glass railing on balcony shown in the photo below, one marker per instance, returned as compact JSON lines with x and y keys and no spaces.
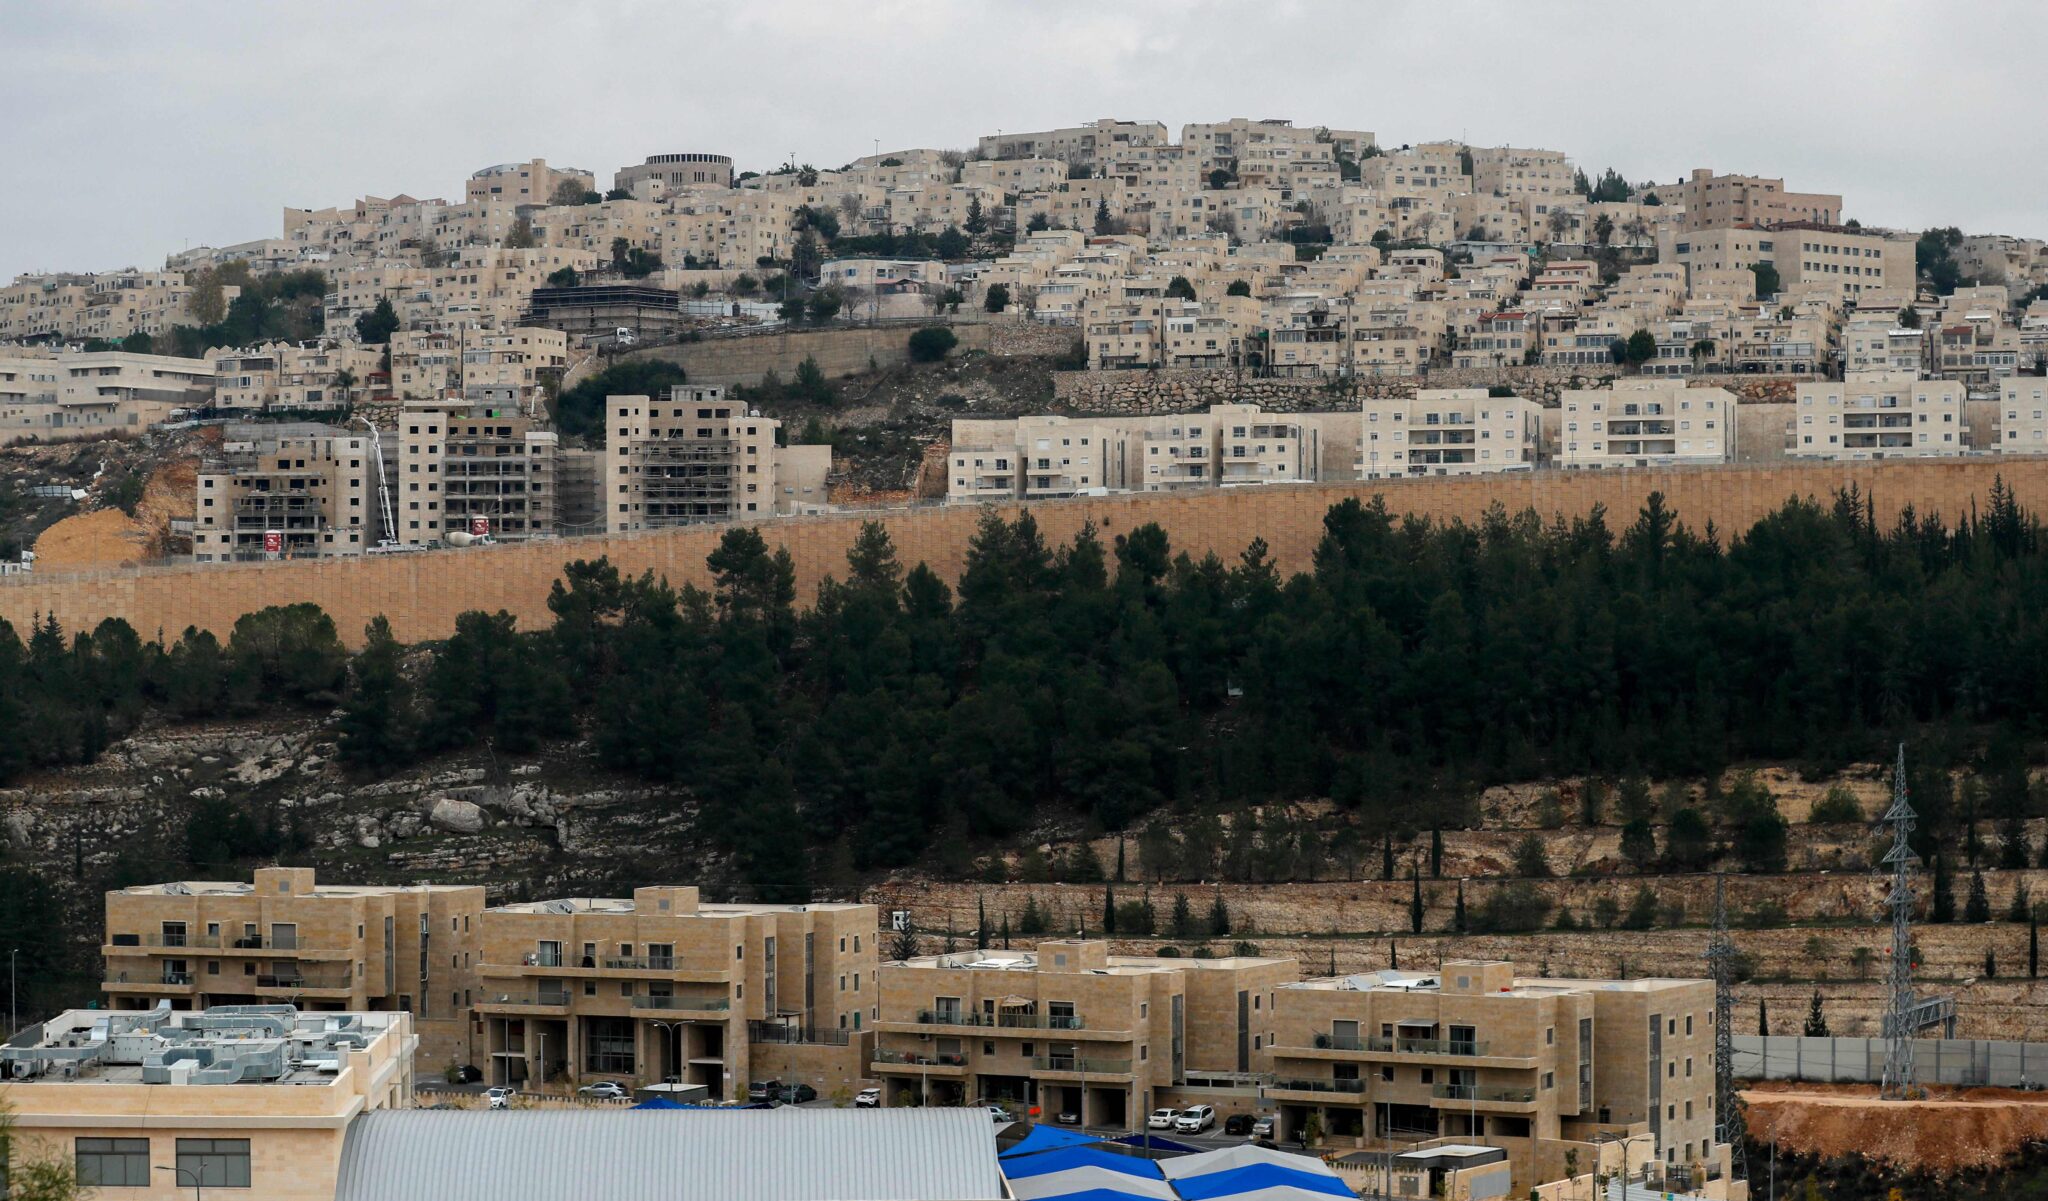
{"x":1321,"y":1086}
{"x":1086,"y":1066}
{"x":915,"y":1058}
{"x":171,"y":941}
{"x":1483,"y":1092}
{"x":554,"y":999}
{"x":701,"y":1004}
{"x":176,"y":978}
{"x":1429,"y":1046}
{"x":1010,"y":1020}
{"x":640,"y":963}
{"x":304,"y":980}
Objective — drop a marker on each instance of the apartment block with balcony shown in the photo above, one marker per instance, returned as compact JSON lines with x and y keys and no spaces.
{"x":286,"y":939}
{"x":158,"y":1105}
{"x":287,"y":491}
{"x":661,"y":987}
{"x":1645,"y":423}
{"x":473,"y":468}
{"x":2023,"y":415}
{"x":1254,"y":447}
{"x":1879,"y":415}
{"x":1446,"y":431}
{"x":695,"y":456}
{"x":1071,"y":1029}
{"x":1472,"y":1054}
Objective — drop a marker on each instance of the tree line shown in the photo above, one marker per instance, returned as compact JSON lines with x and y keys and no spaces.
{"x":898,"y":719}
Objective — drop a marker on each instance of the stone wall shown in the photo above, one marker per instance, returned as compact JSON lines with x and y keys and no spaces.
{"x":422,"y":593}
{"x":839,"y":351}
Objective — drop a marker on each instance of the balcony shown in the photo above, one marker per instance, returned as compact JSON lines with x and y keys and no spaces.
{"x":1081,"y":1065}
{"x":302,"y":982}
{"x":939,"y":1065}
{"x":175,"y":942}
{"x":517,"y":1003}
{"x":639,"y":963}
{"x":1481,"y":1094}
{"x":150,"y":982}
{"x":1018,"y":1021}
{"x":694,"y":1004}
{"x":1318,"y":1086}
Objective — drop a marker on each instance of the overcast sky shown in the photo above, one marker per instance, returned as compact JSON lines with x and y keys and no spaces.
{"x":130,"y":130}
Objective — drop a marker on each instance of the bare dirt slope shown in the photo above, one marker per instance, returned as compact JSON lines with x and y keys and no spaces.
{"x":1952,"y":1130}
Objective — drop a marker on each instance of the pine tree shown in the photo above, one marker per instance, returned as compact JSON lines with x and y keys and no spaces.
{"x":1458,"y":914}
{"x":2022,"y":906}
{"x":1436,"y":853}
{"x":1816,"y":1021}
{"x":1219,"y":916}
{"x":1415,"y":903}
{"x":1763,"y":1021}
{"x":980,"y":924}
{"x":1183,"y":917}
{"x":1978,"y":907}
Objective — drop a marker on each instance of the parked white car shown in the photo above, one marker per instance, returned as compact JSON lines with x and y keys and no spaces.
{"x":868,"y":1098}
{"x":1195,"y":1119}
{"x":498,"y":1098}
{"x":1161,"y":1119}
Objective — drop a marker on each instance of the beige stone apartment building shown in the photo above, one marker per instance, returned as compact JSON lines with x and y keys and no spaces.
{"x":1446,"y":431}
{"x":286,"y":939}
{"x":284,"y":376}
{"x":1517,"y":173}
{"x":1802,"y":252}
{"x":1096,"y":141}
{"x":1878,"y":415}
{"x":2023,"y":415}
{"x":286,"y":490}
{"x":1070,"y":1029}
{"x":532,"y":182}
{"x":1643,"y":423}
{"x":47,"y":397}
{"x":473,"y":467}
{"x":662,"y":987}
{"x":1713,"y":201}
{"x":159,"y":1105}
{"x":1476,"y":1054}
{"x":696,"y":455}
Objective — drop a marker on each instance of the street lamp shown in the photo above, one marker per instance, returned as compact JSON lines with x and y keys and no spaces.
{"x":181,"y":1173}
{"x":675,"y":1036}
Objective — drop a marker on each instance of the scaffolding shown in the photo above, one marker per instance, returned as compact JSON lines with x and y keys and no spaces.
{"x":684,"y":480}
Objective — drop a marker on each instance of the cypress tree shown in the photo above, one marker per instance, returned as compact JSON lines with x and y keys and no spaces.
{"x":1387,"y":857}
{"x":980,"y":924}
{"x":1393,"y":955}
{"x":1415,"y":903}
{"x":1219,"y":916}
{"x":1436,"y":853}
{"x":1109,"y":908}
{"x":1763,"y":1021}
{"x":1942,"y":910}
{"x":1006,"y":931}
{"x":2033,"y":947}
{"x":1458,"y":915}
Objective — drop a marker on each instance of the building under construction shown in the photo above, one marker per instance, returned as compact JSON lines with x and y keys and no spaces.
{"x":473,"y":467}
{"x":285,"y":491}
{"x":695,"y":456}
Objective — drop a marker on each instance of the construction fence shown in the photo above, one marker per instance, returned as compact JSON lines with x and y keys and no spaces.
{"x":1958,"y":1061}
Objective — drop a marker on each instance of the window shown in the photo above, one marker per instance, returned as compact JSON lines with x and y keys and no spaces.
{"x":214,"y":1162}
{"x":113,"y":1162}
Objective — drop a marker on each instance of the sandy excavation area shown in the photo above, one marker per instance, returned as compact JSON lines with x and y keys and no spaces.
{"x":1952,"y":1130}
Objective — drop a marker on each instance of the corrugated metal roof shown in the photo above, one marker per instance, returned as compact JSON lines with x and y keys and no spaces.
{"x":788,"y":1154}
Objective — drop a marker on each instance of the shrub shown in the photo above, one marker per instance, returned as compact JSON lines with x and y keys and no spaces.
{"x":1839,"y":805}
{"x":930,"y":344}
{"x":1515,"y":908}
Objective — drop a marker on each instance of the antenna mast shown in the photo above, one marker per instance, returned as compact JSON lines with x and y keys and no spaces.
{"x":1899,"y":1006}
{"x":1728,"y":1127}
